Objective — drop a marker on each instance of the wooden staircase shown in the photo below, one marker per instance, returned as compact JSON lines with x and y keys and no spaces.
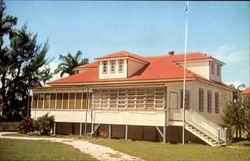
{"x":205,"y":129}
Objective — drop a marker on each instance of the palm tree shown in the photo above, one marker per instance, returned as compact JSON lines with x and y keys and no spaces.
{"x":6,"y":29}
{"x":237,"y":92}
{"x":69,"y":62}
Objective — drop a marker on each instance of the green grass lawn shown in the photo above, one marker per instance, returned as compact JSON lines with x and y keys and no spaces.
{"x":20,"y":150}
{"x":156,"y":151}
{"x":153,"y":151}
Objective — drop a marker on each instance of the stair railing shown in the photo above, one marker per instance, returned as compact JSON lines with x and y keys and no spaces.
{"x":206,"y":126}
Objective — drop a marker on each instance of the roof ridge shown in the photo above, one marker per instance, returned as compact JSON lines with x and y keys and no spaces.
{"x":178,"y":54}
{"x":124,"y":54}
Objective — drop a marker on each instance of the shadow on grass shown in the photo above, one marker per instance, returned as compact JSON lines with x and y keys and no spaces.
{"x":241,"y":141}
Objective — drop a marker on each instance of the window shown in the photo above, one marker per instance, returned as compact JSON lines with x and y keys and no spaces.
{"x":120,"y":66}
{"x":104,"y":67}
{"x":65,"y":100}
{"x":129,"y":98}
{"x":187,"y":99}
{"x":209,"y":101}
{"x":201,"y":100}
{"x":112,"y":66}
{"x":40,"y":101}
{"x":217,"y":102}
{"x":35,"y":101}
{"x":212,"y":67}
{"x":218,"y":69}
{"x":85,"y":98}
{"x":72,"y":100}
{"x":78,"y":101}
{"x":52,"y":100}
{"x":59,"y":100}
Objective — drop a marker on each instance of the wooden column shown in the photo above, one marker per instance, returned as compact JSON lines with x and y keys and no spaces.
{"x":80,"y":129}
{"x":43,"y":99}
{"x":164,"y":134}
{"x":126,"y":132}
{"x":68,"y":99}
{"x":75,"y":101}
{"x":86,"y":113}
{"x":56,"y":101}
{"x":38,"y":100}
{"x":92,"y":130}
{"x":54,"y":128}
{"x":49,"y":99}
{"x":62,"y":101}
{"x":110,"y":131}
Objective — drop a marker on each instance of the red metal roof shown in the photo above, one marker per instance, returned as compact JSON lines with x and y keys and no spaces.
{"x":246,"y":91}
{"x":91,"y":65}
{"x":158,"y":68}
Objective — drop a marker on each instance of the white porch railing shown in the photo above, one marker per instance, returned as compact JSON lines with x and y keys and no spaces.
{"x":206,"y":126}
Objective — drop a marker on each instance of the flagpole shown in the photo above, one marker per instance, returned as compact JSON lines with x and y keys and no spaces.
{"x":184,"y":79}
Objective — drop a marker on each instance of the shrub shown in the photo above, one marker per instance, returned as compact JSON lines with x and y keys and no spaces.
{"x":44,"y":124}
{"x":26,"y":125}
{"x":3,"y":118}
{"x":38,"y":133}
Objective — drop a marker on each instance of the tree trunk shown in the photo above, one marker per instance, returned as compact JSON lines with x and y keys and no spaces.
{"x":240,"y":132}
{"x":3,"y":92}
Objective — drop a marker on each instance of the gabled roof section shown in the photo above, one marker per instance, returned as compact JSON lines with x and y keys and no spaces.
{"x":123,"y":54}
{"x":193,"y":56}
{"x":91,"y":65}
{"x":246,"y":91}
{"x":190,"y":56}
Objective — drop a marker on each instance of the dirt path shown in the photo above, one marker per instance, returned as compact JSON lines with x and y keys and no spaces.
{"x":97,"y":151}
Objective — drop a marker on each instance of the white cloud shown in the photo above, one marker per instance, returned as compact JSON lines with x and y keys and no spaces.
{"x":231,"y":53}
{"x":235,"y":83}
{"x":236,"y":58}
{"x":53,"y":66}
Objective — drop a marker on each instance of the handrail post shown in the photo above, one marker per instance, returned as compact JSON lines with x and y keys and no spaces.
{"x":225,"y":135}
{"x":218,"y":136}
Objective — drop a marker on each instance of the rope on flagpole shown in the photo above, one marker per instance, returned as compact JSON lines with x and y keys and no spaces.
{"x":184,"y":79}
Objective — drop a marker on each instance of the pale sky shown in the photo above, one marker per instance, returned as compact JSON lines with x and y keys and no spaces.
{"x":146,"y":28}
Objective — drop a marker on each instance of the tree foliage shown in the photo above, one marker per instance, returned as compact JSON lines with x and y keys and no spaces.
{"x":26,"y":125}
{"x":237,"y":113}
{"x":41,"y":126}
{"x":44,"y":124}
{"x":69,"y":62}
{"x":22,"y":65}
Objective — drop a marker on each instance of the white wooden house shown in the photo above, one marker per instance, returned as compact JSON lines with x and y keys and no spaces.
{"x":123,"y":95}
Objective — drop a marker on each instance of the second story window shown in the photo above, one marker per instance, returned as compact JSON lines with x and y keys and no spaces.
{"x":112,"y":66}
{"x":209,"y":101}
{"x":218,"y":69}
{"x":212,"y":67}
{"x":120,"y":66}
{"x":104,"y":67}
